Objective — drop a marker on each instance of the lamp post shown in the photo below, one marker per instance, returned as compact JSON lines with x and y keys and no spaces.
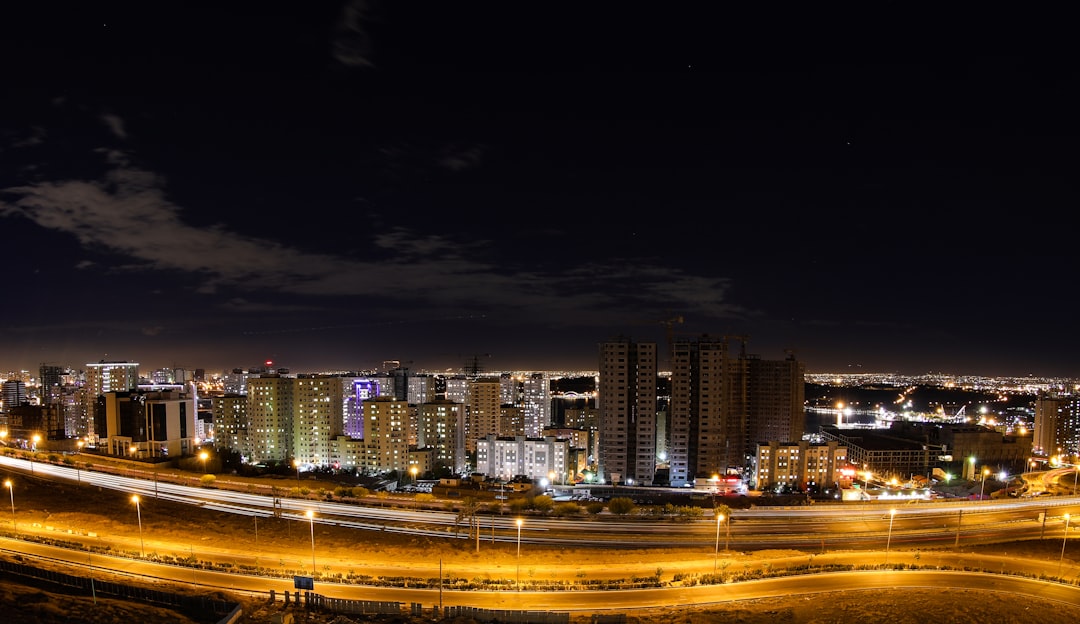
{"x":78,"y":473}
{"x":413,"y":470}
{"x":866,"y":478}
{"x":716,"y":552}
{"x":1061,"y":559}
{"x":204,"y":456}
{"x":519,"y":523}
{"x":1075,"y":477}
{"x":296,"y":464}
{"x":971,"y":462}
{"x":888,"y":542}
{"x":311,"y":520}
{"x":33,"y":450}
{"x":982,"y":487}
{"x":138,"y":511}
{"x":11,"y":490}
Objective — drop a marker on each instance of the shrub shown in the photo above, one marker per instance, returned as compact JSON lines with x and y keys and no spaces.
{"x":567,"y":509}
{"x":594,"y":508}
{"x":621,"y":506}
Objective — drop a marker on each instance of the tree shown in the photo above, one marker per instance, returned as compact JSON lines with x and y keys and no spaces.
{"x":542,"y":503}
{"x":621,"y":506}
{"x":467,"y":511}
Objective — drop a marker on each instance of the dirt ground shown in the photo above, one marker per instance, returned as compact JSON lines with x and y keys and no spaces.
{"x":42,"y":506}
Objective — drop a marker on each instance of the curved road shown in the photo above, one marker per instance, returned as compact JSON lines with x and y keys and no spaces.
{"x":590,"y":601}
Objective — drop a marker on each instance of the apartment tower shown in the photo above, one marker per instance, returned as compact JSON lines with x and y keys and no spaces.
{"x":627,"y":406}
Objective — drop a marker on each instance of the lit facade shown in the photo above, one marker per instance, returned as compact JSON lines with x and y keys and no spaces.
{"x":270,"y":414}
{"x":482,"y":415}
{"x":535,"y":458}
{"x":149,"y":424}
{"x":317,"y":405}
{"x":232,"y":428}
{"x":102,"y":377}
{"x":442,"y":428}
{"x":387,"y":434}
{"x":800,"y":465}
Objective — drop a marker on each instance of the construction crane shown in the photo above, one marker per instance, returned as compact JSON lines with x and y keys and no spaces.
{"x":669,"y":325}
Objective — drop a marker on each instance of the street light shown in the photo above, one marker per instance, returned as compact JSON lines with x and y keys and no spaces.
{"x":33,"y":450}
{"x":519,"y":523}
{"x":982,"y":487}
{"x":1063,"y":539}
{"x":204,"y":456}
{"x":866,"y":478}
{"x":138,"y":510}
{"x":413,"y":470}
{"x":311,"y":520}
{"x":78,"y":473}
{"x":296,"y":464}
{"x":11,"y":490}
{"x":716,"y":552}
{"x":888,"y":542}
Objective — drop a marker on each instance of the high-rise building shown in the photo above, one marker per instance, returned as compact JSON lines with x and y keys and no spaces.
{"x":270,"y":414}
{"x":511,"y":420}
{"x":13,"y":394}
{"x":232,"y":427}
{"x":442,"y":427}
{"x":627,"y":407}
{"x":482,"y":410}
{"x":52,"y":383}
{"x":102,"y":377}
{"x":421,"y":389}
{"x":1057,"y":426}
{"x":724,"y":403}
{"x":317,"y":405}
{"x":776,"y":392}
{"x":536,"y":403}
{"x":359,"y":389}
{"x":386,"y":430}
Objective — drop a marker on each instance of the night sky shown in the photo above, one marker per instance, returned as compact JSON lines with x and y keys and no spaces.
{"x":334,"y":184}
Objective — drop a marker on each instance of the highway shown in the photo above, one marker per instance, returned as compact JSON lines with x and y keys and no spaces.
{"x":587,"y":601}
{"x":842,"y":534}
{"x":823,"y":526}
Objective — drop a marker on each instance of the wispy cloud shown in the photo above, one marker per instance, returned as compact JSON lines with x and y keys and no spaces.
{"x":115,"y":125}
{"x":129,"y":213}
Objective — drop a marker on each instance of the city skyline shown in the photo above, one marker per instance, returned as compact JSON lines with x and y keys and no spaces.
{"x":339,"y":184}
